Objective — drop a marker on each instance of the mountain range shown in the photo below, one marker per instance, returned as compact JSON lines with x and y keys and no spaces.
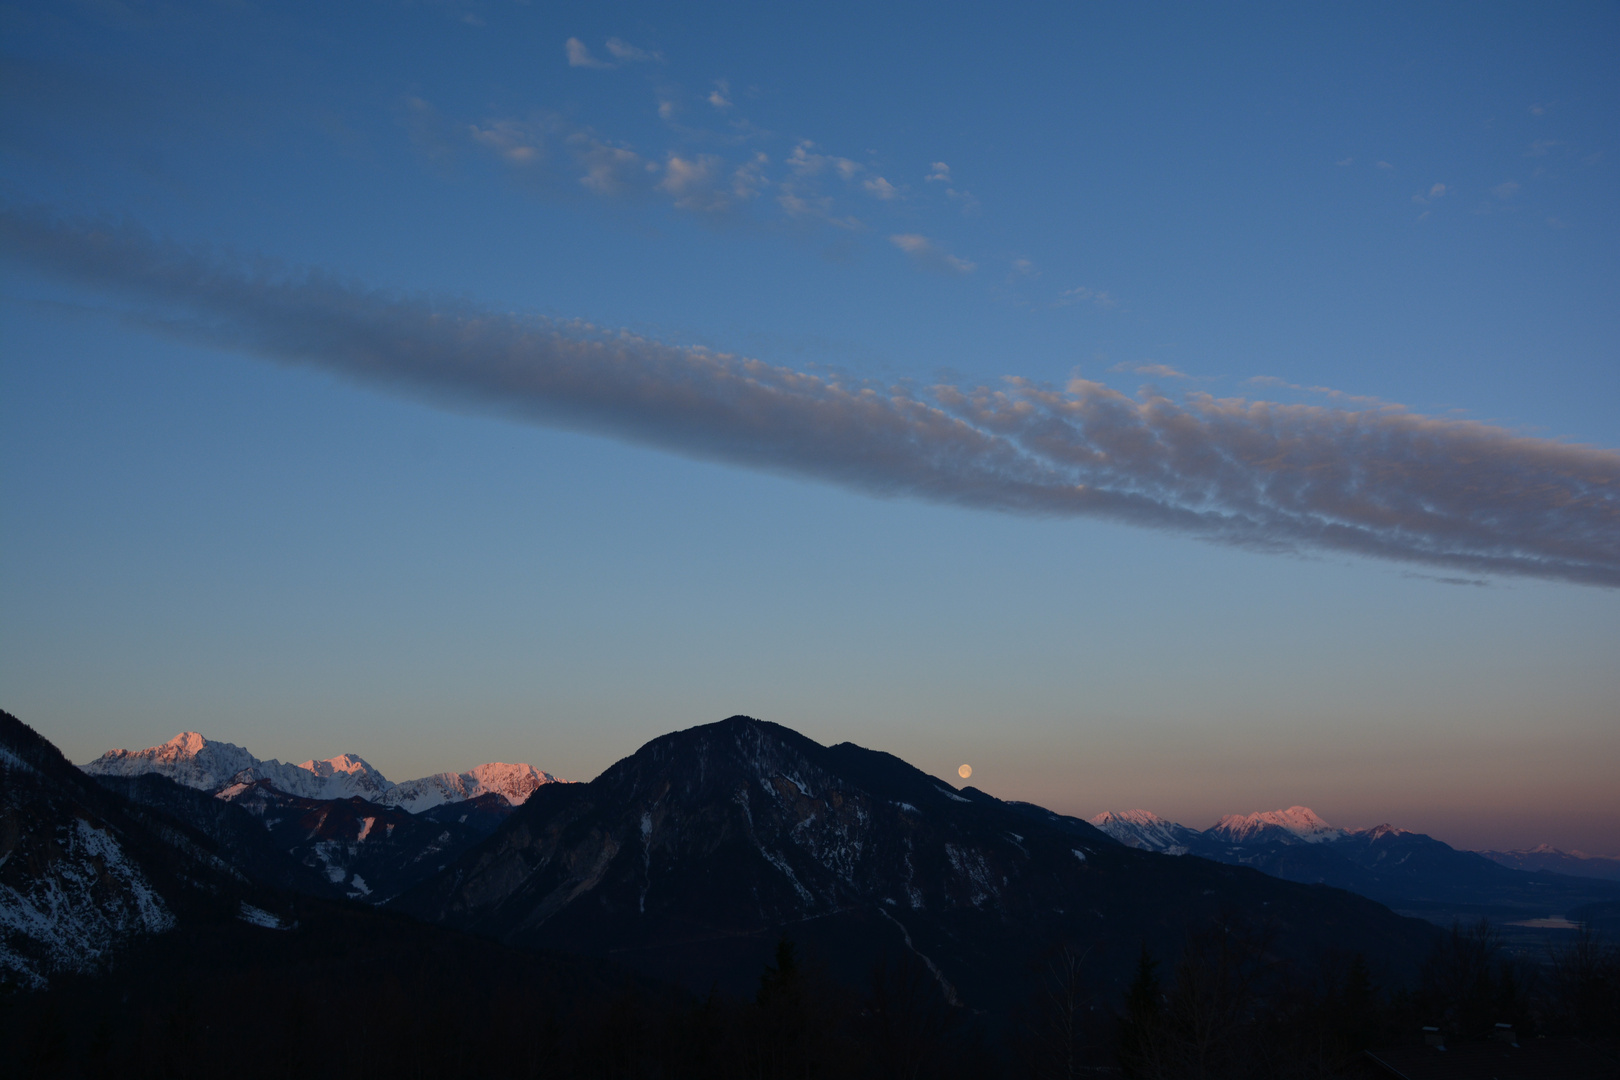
{"x":335,"y":827}
{"x":687,"y":861}
{"x":690,"y":859}
{"x":1547,"y":857}
{"x":208,"y":765}
{"x":1411,"y":872}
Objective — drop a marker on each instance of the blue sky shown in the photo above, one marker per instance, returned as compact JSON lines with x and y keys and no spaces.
{"x":273,"y":466}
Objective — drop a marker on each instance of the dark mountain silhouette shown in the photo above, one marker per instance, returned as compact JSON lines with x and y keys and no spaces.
{"x":364,"y":850}
{"x":694,"y":856}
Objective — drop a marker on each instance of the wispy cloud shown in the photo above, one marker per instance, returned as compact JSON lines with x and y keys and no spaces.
{"x":926,"y":253}
{"x":1435,"y":192}
{"x":1155,"y":371}
{"x":1328,"y":392}
{"x":579,"y":55}
{"x":1474,"y":498}
{"x":720,"y":96}
{"x":1479,"y":583}
{"x":626,"y":53}
{"x":1080,"y":294}
{"x":1506,"y":190}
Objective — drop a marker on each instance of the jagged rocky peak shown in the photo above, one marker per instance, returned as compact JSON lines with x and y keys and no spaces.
{"x":1300,"y":822}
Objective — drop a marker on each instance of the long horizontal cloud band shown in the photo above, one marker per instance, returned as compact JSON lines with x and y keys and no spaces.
{"x":1384,"y":482}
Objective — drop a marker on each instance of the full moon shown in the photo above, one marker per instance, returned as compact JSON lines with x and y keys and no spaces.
{"x":965,"y":771}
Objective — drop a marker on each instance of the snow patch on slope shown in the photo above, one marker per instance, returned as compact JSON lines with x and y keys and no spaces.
{"x":83,"y":905}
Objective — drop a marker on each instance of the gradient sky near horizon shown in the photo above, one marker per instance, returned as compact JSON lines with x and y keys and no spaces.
{"x":1203,"y":409}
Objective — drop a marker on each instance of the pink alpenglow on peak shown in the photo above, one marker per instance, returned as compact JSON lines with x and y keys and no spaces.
{"x":514,"y":783}
{"x":349,"y":773}
{"x":1145,"y":830}
{"x":225,"y":768}
{"x":1301,"y":821}
{"x":188,"y":759}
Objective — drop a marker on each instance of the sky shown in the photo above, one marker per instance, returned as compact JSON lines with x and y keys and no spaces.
{"x":1202,"y":409}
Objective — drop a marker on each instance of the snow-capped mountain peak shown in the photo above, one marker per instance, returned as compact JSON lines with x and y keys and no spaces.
{"x":1300,"y":821}
{"x":349,"y":774}
{"x":1145,"y":829}
{"x":514,"y":783}
{"x":188,"y":759}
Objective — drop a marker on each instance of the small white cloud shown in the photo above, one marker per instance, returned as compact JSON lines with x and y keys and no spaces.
{"x":1540,"y":147}
{"x":880,"y":188}
{"x":580,"y":56}
{"x":1538,"y":110}
{"x":1025,"y":268}
{"x":691,"y":182}
{"x":926,"y":253}
{"x":1347,"y":161}
{"x":1557,"y":223}
{"x":666,"y":109}
{"x":720,"y":96}
{"x":1385,"y":166}
{"x":1080,"y":294}
{"x":629,"y":54}
{"x":1437,"y":191}
{"x":939,"y":172}
{"x":1505,"y":190}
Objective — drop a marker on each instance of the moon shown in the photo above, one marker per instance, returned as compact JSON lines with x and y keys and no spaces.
{"x":965,"y":771}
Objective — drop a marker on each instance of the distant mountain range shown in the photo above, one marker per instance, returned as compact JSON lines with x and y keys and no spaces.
{"x":207,"y":765}
{"x":1409,"y":871}
{"x":1547,"y":857}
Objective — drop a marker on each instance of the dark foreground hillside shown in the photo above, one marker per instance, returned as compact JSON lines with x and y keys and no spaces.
{"x":350,"y":991}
